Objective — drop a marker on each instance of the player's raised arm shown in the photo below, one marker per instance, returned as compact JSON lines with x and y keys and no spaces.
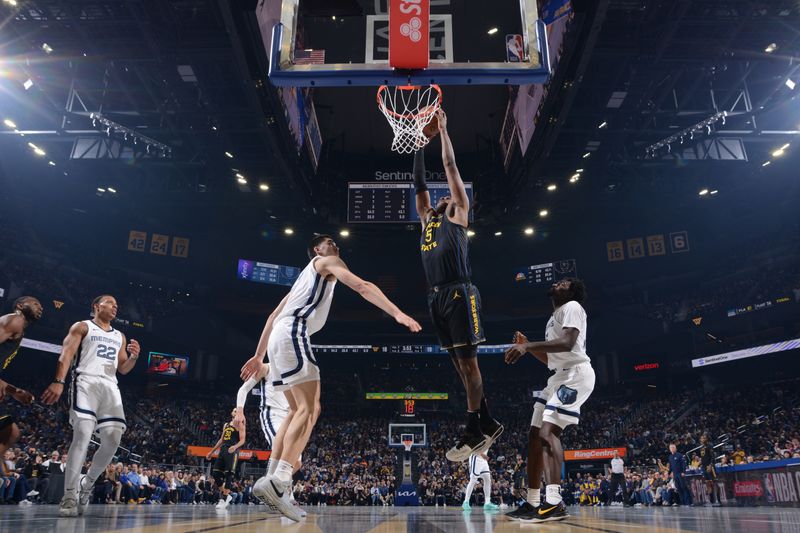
{"x":68,"y":350}
{"x":334,"y":266}
{"x":244,"y":390}
{"x":458,"y":192}
{"x":423,"y":197}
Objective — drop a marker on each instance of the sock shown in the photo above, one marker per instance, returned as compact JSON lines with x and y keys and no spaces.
{"x":485,"y":409}
{"x":534,"y":496}
{"x":473,"y":423}
{"x":553,"y":494}
{"x":284,"y":471}
{"x":271,"y":466}
{"x":229,"y":499}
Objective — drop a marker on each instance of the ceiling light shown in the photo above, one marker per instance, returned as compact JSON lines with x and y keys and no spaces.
{"x":785,"y":146}
{"x":579,"y":170}
{"x":333,"y":17}
{"x":228,"y":154}
{"x":765,"y":163}
{"x":715,"y":191}
{"x":112,"y":190}
{"x":264,"y":187}
{"x":543,"y":213}
{"x":11,"y":2}
{"x":47,"y":48}
{"x":703,"y":192}
{"x":771,"y":47}
{"x":39,"y":152}
{"x":27,"y":84}
{"x":587,"y":154}
{"x":552,"y":187}
{"x":574,"y":179}
{"x":528,"y":231}
{"x":470,"y":233}
{"x":603,"y":125}
{"x":51,"y":163}
{"x":288,"y":231}
{"x":239,"y":176}
{"x":100,"y":189}
{"x":344,"y":233}
{"x":778,"y":152}
{"x":242,"y":181}
{"x":213,"y":128}
{"x":790,"y":84}
{"x":492,"y":31}
{"x":498,"y":233}
{"x":10,"y":123}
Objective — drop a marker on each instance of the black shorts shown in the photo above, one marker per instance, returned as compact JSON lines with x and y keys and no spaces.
{"x":710,"y":473}
{"x":456,"y":314}
{"x":224,"y":467}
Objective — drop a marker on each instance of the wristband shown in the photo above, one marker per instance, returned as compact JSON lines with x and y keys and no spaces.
{"x":60,"y":381}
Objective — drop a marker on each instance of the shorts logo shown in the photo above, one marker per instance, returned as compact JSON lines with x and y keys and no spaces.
{"x":456,"y":296}
{"x":473,"y":302}
{"x":567,"y":395}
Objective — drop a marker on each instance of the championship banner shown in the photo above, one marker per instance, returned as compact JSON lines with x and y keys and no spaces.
{"x":599,"y":454}
{"x":244,"y":455}
{"x":409,"y":33}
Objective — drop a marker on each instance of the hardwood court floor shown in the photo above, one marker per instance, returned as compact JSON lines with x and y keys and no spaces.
{"x":241,"y":519}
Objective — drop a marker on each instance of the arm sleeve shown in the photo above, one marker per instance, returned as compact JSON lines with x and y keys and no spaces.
{"x":244,"y":390}
{"x":573,"y":316}
{"x":419,"y":171}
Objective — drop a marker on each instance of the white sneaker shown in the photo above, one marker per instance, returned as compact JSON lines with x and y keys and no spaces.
{"x":68,"y":507}
{"x":25,"y":502}
{"x":84,"y":496}
{"x":222,"y":505}
{"x":272,"y":490}
{"x":33,"y":493}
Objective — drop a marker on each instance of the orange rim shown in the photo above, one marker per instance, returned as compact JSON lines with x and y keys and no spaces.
{"x":437,"y":103}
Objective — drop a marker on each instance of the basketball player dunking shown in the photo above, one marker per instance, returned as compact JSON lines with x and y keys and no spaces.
{"x":96,"y":403}
{"x":274,"y":410}
{"x":233,"y":437}
{"x":564,"y":352}
{"x":27,"y":310}
{"x":454,"y":302}
{"x":287,"y":339}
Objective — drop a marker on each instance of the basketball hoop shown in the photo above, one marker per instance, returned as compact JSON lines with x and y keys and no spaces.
{"x":408,"y":443}
{"x":409,"y":108}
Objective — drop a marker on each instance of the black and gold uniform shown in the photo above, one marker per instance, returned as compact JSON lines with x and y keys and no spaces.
{"x":225,"y":466}
{"x":454,"y":302}
{"x":707,"y":462}
{"x":8,"y":351}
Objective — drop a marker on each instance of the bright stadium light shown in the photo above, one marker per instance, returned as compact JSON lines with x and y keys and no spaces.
{"x":47,"y":48}
{"x":288,"y":231}
{"x":771,"y":47}
{"x":790,"y":84}
{"x":586,"y":155}
{"x":263,"y":187}
{"x":51,"y":163}
{"x":112,"y":190}
{"x":604,"y":124}
{"x":703,"y":192}
{"x":552,"y":187}
{"x":543,"y":213}
{"x":229,"y":155}
{"x":528,"y":231}
{"x":470,"y":233}
{"x":766,"y":163}
{"x":498,"y":233}
{"x":27,"y":84}
{"x":777,"y":153}
{"x":242,"y":181}
{"x":10,"y":123}
{"x":344,"y":233}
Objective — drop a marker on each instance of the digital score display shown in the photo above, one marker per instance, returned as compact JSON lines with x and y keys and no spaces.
{"x":391,"y":202}
{"x":267,"y":273}
{"x":547,"y":273}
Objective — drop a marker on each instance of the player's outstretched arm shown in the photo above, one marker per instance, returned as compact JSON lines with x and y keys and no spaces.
{"x":458,"y":192}
{"x":520,"y":339}
{"x":253,"y":365}
{"x":68,"y":350}
{"x":128,"y":355}
{"x":216,"y":447}
{"x":564,"y":343}
{"x":244,"y":390}
{"x":423,"y":197}
{"x":10,"y":326}
{"x":369,"y":291}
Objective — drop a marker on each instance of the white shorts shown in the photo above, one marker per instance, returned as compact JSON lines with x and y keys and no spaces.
{"x":486,"y":477}
{"x":271,"y":420}
{"x":98,"y":399}
{"x":290,"y":355}
{"x":567,"y":390}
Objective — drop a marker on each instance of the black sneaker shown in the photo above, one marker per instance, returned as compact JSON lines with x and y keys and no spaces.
{"x":466,"y":446}
{"x":523,"y":509}
{"x":546,"y":512}
{"x":492,"y":431}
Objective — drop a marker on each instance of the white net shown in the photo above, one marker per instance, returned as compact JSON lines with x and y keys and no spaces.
{"x":409,"y":109}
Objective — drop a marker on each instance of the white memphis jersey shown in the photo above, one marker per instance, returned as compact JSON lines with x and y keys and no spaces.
{"x":309,"y":302}
{"x":270,"y":397}
{"x":569,"y":315}
{"x":478,"y":465}
{"x":97,"y":355}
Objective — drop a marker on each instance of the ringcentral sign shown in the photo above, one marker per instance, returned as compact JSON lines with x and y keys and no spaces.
{"x":398,"y":175}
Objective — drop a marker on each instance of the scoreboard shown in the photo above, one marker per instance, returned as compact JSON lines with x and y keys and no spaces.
{"x":267,"y":273}
{"x":391,"y":202}
{"x":546,"y":273}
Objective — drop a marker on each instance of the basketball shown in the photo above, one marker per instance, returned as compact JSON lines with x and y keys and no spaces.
{"x":432,"y":129}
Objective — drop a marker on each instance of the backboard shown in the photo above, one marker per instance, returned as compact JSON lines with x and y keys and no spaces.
{"x":328,"y":43}
{"x":400,"y":432}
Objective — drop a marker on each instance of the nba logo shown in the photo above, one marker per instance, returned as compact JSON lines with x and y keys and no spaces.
{"x":514,"y":48}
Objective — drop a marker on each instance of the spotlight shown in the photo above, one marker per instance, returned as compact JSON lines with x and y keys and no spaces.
{"x":579,"y":171}
{"x":101,"y":190}
{"x":10,"y":123}
{"x":785,"y":146}
{"x":27,"y":84}
{"x":470,"y":233}
{"x":47,"y":48}
{"x":543,"y":213}
{"x":715,"y":191}
{"x":766,"y":163}
{"x":229,"y":155}
{"x":586,"y":155}
{"x":239,"y":176}
{"x":51,"y":163}
{"x":498,"y":233}
{"x":112,"y":190}
{"x":528,"y":231}
{"x":574,"y":179}
{"x":790,"y":84}
{"x":604,"y":124}
{"x":552,"y":187}
{"x":703,"y":192}
{"x":492,"y":31}
{"x":771,"y":47}
{"x":288,"y":231}
{"x":777,"y":153}
{"x":264,"y":187}
{"x":344,"y":233}
{"x":242,"y":181}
